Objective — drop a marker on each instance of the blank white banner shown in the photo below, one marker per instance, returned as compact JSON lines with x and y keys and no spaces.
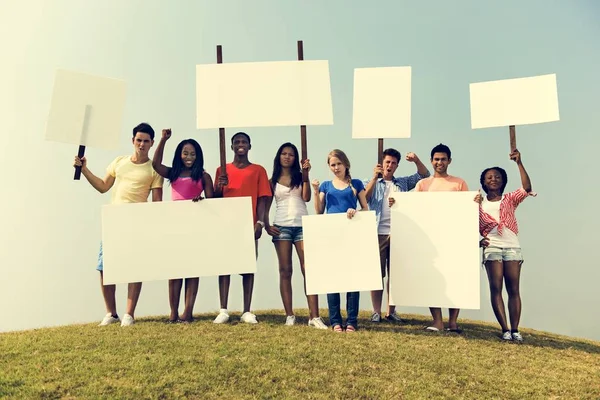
{"x":519,"y":101}
{"x":434,"y":250}
{"x":282,"y":93}
{"x":340,"y":254}
{"x":382,"y":103}
{"x":177,"y":239}
{"x":99,"y":126}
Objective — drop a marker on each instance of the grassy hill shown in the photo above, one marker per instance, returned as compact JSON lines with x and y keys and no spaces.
{"x":237,"y":361}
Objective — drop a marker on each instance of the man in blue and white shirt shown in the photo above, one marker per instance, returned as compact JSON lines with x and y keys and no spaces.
{"x":378,"y":191}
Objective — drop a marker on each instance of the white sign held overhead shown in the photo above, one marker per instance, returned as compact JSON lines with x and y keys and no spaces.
{"x":282,"y":93}
{"x":177,"y":239}
{"x":86,"y":110}
{"x":382,"y":103}
{"x":516,"y":102}
{"x":341,"y":254}
{"x":434,"y":250}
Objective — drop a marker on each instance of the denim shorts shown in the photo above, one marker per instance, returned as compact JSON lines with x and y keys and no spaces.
{"x":289,"y":234}
{"x":100,"y":264}
{"x":505,"y":254}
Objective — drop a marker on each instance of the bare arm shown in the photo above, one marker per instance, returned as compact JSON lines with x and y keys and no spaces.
{"x":261,"y":207}
{"x":207,"y":184}
{"x":101,"y":185}
{"x":267,"y":209}
{"x":319,"y":197}
{"x":157,"y":164}
{"x":306,"y":185}
{"x":157,"y":194}
{"x":525,"y":181}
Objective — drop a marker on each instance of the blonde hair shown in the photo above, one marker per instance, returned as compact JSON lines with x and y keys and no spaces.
{"x":340,"y":155}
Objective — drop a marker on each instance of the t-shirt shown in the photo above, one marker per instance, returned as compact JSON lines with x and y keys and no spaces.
{"x":339,"y":201}
{"x":133,"y":182}
{"x":383,"y":228}
{"x":250,"y":181}
{"x":184,"y":188}
{"x":508,"y":239}
{"x":446,"y":184}
{"x":290,"y":206}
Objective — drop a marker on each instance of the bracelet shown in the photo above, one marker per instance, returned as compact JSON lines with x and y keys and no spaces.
{"x":261,"y":223}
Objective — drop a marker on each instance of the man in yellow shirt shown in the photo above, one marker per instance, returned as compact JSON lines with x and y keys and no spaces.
{"x":133,"y":179}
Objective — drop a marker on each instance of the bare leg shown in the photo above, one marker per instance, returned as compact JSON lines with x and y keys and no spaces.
{"x":224,"y":281}
{"x":108,"y":292}
{"x":453,"y":317}
{"x":376,"y":299}
{"x":284,"y":255}
{"x":391,"y":308}
{"x":191,"y":290}
{"x":248,"y":286}
{"x":436,"y":313}
{"x":174,"y":295}
{"x":512,"y":274}
{"x":133,"y":295}
{"x":313,"y":299}
{"x":495,"y":272}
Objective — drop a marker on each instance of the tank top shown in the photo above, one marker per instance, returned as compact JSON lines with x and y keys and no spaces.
{"x":185,"y":188}
{"x":290,"y":206}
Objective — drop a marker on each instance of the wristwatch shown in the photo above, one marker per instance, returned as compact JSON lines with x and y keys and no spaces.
{"x":261,"y":223}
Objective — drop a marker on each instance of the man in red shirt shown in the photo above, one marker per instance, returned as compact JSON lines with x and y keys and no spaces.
{"x":243,"y":179}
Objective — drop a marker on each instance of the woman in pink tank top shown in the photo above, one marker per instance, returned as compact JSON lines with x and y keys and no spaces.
{"x":188,"y":180}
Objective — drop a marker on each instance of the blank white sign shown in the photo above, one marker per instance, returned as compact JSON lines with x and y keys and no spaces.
{"x":382,"y":103}
{"x":434,"y":250}
{"x":105,"y":100}
{"x":177,"y":239}
{"x":282,"y":93}
{"x":519,"y":101}
{"x":340,"y":254}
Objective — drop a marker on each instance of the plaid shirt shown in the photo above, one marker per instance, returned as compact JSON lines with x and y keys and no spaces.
{"x":402,"y":184}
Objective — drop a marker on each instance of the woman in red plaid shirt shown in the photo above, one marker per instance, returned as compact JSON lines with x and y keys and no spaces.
{"x":502,"y":252}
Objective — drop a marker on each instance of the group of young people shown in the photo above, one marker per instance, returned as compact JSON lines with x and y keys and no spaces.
{"x":135,"y":176}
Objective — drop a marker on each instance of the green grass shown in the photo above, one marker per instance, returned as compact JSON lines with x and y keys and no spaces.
{"x":238,"y":361}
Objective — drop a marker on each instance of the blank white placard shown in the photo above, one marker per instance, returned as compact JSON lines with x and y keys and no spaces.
{"x":282,"y":93}
{"x":340,"y":254}
{"x":177,"y":239}
{"x":519,"y":101}
{"x":382,"y":103}
{"x":73,"y":92}
{"x":434,"y":250}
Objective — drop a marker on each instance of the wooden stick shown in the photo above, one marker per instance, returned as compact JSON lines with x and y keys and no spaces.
{"x":380,"y":153}
{"x":513,"y":138}
{"x":81,"y":151}
{"x":222,"y":156}
{"x":303,"y":144}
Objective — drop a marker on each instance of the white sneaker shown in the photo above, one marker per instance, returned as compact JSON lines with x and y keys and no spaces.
{"x":517,"y":337}
{"x":127,"y":320}
{"x":507,"y":336}
{"x":317,"y":323}
{"x":290,"y":320}
{"x":375,"y":317}
{"x":249,"y":318}
{"x":222,"y":317}
{"x":108,"y":319}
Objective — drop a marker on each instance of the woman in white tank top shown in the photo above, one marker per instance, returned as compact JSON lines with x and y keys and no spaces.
{"x":291,"y":193}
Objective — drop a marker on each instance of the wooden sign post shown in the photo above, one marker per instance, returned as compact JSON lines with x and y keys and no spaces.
{"x":513,"y":138}
{"x":303,"y":144}
{"x":222,"y":156}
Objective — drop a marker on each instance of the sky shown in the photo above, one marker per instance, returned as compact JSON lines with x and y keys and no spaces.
{"x":50,"y":225}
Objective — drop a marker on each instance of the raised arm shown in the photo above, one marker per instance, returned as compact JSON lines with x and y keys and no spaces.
{"x":421,"y":168}
{"x":525,"y":181}
{"x":157,"y":164}
{"x":101,"y":185}
{"x":319,"y":197}
{"x":371,"y":185}
{"x":306,"y":184}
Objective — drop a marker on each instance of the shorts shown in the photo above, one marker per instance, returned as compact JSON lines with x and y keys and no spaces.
{"x":384,"y":253}
{"x":100,"y":264}
{"x":505,"y":254}
{"x":289,"y":234}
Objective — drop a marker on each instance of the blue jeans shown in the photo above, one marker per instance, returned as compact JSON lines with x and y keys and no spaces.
{"x":335,"y":315}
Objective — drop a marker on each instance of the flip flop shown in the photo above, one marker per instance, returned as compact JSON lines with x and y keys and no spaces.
{"x":455,"y":330}
{"x":431,"y":329}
